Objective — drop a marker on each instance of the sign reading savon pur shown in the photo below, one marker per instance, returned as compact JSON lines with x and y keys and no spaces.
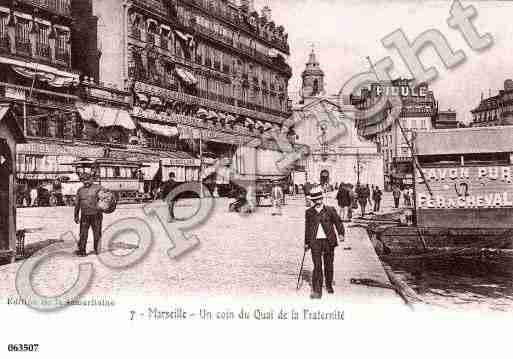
{"x":465,"y":187}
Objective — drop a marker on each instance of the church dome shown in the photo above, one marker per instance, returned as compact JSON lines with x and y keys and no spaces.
{"x":312,"y":66}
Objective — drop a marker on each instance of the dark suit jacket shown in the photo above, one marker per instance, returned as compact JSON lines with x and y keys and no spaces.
{"x":329,"y":219}
{"x":168,"y":187}
{"x":343,"y":197}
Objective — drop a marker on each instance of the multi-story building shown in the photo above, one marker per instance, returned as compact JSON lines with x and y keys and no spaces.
{"x":209,"y":68}
{"x":417,"y":112}
{"x":444,"y":119}
{"x":36,"y":76}
{"x":156,"y":81}
{"x":495,"y":110}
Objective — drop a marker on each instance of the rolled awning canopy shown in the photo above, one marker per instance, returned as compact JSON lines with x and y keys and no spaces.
{"x":186,"y":76}
{"x":212,"y":115}
{"x":159,"y":130}
{"x":155,"y":101}
{"x":106,"y":116}
{"x":202,"y":113}
{"x":181,"y":35}
{"x":45,"y":73}
{"x":142,"y":97}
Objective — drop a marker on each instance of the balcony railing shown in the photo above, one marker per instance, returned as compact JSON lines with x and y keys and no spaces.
{"x":152,"y":78}
{"x":23,"y":47}
{"x":43,"y":50}
{"x":62,"y":55}
{"x":136,"y":32}
{"x":151,"y":38}
{"x":41,"y":97}
{"x":61,"y":7}
{"x":4,"y":42}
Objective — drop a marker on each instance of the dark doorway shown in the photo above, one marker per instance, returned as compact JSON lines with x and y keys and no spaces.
{"x":5,"y":173}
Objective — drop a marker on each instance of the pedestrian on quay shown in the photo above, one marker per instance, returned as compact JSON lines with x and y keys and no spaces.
{"x":354,"y":202}
{"x":277,"y":198}
{"x":344,"y":201}
{"x":376,"y":196}
{"x":370,"y":190}
{"x":321,"y":222}
{"x":167,"y":188}
{"x":33,"y":197}
{"x":88,"y":214}
{"x":362,"y":194}
{"x":396,"y":193}
{"x":307,"y":188}
{"x":406,"y":198}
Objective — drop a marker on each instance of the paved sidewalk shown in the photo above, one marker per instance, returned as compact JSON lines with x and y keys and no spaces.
{"x":239,"y":257}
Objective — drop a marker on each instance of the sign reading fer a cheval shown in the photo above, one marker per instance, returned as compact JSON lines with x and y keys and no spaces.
{"x":465,"y":187}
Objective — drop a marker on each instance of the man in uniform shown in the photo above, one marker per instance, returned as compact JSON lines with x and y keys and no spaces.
{"x":320,"y":224}
{"x":166,"y":190}
{"x":87,"y":214}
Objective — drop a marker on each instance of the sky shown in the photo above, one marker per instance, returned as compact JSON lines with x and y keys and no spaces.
{"x":344,"y":33}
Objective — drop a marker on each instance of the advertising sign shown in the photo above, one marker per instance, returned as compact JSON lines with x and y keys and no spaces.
{"x":465,"y":187}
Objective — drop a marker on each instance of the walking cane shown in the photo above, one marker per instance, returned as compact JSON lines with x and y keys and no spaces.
{"x":300,"y":271}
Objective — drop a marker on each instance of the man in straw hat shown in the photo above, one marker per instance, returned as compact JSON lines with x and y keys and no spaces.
{"x":88,"y":214}
{"x":320,"y":224}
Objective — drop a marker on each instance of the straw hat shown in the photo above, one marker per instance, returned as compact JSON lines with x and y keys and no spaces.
{"x":316,"y":193}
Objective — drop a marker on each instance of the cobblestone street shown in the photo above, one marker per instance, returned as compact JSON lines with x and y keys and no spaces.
{"x":246,"y":257}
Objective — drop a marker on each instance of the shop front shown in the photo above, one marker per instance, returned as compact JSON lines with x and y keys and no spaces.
{"x":10,"y":134}
{"x":40,"y":166}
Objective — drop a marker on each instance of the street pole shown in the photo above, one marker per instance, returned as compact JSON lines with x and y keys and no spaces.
{"x":201,"y":163}
{"x":358,"y":166}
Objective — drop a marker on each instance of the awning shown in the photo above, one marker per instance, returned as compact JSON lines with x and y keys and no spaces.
{"x":155,"y":101}
{"x":181,"y":35}
{"x":124,"y":120}
{"x":186,"y":76}
{"x":106,"y":116}
{"x":51,"y":79}
{"x":149,"y":170}
{"x":202,"y":113}
{"x":142,"y":97}
{"x":250,"y":121}
{"x":64,"y":76}
{"x":159,"y":130}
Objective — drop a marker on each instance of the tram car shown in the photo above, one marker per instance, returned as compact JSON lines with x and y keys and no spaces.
{"x":123,"y":177}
